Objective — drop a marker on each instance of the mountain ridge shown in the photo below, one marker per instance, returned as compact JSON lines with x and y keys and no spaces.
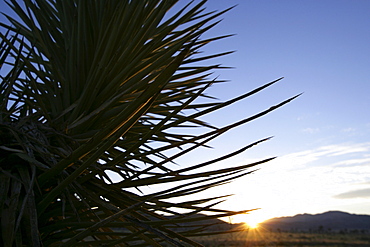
{"x":327,"y":221}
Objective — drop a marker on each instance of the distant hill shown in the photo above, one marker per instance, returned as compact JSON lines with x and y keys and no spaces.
{"x":328,"y":221}
{"x":332,"y":221}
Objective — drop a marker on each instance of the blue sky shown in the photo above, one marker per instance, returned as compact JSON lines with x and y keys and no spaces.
{"x":321,"y":138}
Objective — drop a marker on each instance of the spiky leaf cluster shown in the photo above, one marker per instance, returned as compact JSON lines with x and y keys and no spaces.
{"x":96,"y":90}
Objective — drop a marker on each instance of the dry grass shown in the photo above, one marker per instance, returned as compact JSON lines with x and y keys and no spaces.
{"x":263,"y":237}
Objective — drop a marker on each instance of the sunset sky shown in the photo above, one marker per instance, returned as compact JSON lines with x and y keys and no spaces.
{"x":322,"y":139}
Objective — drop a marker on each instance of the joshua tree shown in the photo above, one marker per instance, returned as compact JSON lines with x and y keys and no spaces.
{"x":93,"y":95}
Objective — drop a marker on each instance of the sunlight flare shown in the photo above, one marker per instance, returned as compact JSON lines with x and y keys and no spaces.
{"x":251,"y":220}
{"x":252,"y":224}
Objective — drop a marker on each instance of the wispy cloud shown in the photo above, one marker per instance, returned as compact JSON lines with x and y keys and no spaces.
{"x":362,"y":193}
{"x":353,"y":162}
{"x":309,"y":181}
{"x":328,"y":156}
{"x":311,"y":130}
{"x":349,"y":129}
{"x":348,"y":148}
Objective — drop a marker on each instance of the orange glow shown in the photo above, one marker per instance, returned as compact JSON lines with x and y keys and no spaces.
{"x":251,"y":220}
{"x":252,"y":224}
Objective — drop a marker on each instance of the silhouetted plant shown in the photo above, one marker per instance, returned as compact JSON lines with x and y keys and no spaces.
{"x":95,"y":88}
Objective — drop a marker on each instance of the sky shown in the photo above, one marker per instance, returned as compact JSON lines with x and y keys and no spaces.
{"x":321,"y":48}
{"x":322,"y":139}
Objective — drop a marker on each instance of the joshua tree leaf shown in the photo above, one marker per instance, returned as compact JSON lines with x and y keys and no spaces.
{"x":96,"y":98}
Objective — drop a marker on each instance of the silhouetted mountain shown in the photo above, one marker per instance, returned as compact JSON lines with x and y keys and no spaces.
{"x":332,"y":221}
{"x":328,"y":221}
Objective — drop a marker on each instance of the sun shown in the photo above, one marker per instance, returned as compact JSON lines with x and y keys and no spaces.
{"x":251,"y":220}
{"x":252,"y":224}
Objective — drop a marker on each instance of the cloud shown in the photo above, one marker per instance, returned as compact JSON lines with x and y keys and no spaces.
{"x":353,"y":162}
{"x":328,"y":156}
{"x":349,"y":129}
{"x":311,"y":130}
{"x":307,"y":181}
{"x":348,"y":149}
{"x":361,"y":193}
